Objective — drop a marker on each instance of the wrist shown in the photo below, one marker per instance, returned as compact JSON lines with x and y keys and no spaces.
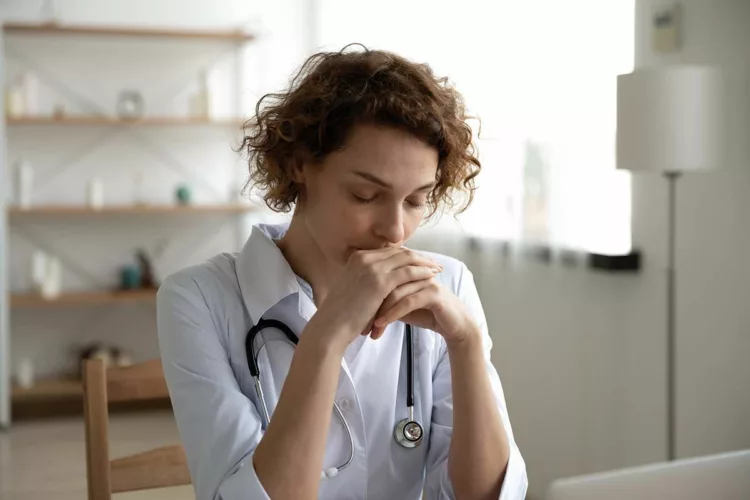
{"x":469,"y":341}
{"x":326,"y":335}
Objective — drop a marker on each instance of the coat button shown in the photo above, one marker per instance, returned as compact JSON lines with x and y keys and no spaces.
{"x":345,"y":404}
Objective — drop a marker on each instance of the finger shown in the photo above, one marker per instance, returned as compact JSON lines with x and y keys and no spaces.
{"x":410,"y":274}
{"x":407,"y":257}
{"x":371,"y":256}
{"x":400,"y":292}
{"x":368,"y":328}
{"x":408,"y":304}
{"x":377,"y":332}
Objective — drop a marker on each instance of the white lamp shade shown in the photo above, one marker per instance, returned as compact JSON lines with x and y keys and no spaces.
{"x":670,"y":119}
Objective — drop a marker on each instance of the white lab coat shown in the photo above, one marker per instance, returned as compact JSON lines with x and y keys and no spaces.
{"x":204,"y":314}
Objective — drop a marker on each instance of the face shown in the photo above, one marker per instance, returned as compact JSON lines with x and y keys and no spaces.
{"x":371,"y":194}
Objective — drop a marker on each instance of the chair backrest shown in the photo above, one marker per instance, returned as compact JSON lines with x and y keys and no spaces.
{"x":161,"y":467}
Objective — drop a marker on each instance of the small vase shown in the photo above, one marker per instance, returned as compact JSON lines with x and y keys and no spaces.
{"x":25,"y":373}
{"x":96,"y":194}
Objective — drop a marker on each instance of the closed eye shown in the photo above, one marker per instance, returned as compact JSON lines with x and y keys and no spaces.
{"x":361,"y":199}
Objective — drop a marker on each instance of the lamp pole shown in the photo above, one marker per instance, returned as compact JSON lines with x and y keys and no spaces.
{"x":671,"y":177}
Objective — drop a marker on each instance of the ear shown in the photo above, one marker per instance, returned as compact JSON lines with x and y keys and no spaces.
{"x":299,"y":171}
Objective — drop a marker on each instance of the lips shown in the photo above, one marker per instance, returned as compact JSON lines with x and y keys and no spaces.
{"x":378,"y":247}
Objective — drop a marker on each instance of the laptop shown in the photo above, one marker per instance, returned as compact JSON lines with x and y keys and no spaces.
{"x":723,"y":476}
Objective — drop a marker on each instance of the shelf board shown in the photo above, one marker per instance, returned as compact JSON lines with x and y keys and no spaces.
{"x":57,"y":397}
{"x":127,"y":31}
{"x":63,"y":210}
{"x":82,"y":298}
{"x":98,"y":121}
{"x":48,"y":390}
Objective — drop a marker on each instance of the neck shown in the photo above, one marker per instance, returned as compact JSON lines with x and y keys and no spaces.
{"x":307,"y":260}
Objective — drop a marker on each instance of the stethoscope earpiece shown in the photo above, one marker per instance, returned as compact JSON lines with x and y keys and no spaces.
{"x":329,"y":473}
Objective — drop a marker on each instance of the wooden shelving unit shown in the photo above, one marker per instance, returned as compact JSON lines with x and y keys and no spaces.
{"x":127,"y":31}
{"x":73,"y":210}
{"x":64,"y":395}
{"x":18,"y":300}
{"x":100,"y":121}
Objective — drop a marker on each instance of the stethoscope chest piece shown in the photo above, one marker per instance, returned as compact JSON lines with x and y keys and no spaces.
{"x":408,"y":433}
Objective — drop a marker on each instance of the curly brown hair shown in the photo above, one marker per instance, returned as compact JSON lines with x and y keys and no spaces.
{"x":333,"y":92}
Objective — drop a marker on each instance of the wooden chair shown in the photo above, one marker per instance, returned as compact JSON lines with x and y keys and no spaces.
{"x":157,"y":468}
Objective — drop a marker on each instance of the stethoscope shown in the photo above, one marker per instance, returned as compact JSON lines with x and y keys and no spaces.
{"x":407,"y":432}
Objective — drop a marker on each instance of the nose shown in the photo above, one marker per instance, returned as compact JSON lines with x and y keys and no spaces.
{"x":389,"y":225}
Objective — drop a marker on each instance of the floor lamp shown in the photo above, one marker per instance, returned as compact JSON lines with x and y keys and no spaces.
{"x":669,"y":121}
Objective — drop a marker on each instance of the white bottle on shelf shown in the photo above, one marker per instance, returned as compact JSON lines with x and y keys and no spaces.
{"x":38,"y":270}
{"x":95,"y":194}
{"x":30,"y":83}
{"x":25,"y":373}
{"x":200,"y":102}
{"x":24,"y":184}
{"x":15,"y":101}
{"x":53,"y":280}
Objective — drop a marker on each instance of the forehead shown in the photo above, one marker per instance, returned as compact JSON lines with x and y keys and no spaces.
{"x":386,"y":152}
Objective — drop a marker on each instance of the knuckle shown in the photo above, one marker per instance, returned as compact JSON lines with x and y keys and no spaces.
{"x":359,"y":257}
{"x":380,"y":280}
{"x":371,"y":269}
{"x":409,"y":254}
{"x":409,"y":301}
{"x":412,"y":272}
{"x":386,"y":306}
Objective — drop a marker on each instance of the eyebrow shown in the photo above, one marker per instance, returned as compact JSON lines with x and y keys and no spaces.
{"x":376,"y":180}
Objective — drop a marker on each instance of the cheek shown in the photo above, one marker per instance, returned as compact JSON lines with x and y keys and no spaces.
{"x":412,"y":220}
{"x":335,"y":226}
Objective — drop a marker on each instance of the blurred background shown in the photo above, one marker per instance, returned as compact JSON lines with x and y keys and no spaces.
{"x":119,"y":166}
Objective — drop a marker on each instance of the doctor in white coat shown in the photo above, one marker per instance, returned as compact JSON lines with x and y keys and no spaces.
{"x":374,"y":378}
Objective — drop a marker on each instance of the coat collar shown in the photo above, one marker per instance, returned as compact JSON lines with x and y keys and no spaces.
{"x":264,"y":275}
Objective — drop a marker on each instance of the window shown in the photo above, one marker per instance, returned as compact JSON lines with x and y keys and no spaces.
{"x":541,"y":76}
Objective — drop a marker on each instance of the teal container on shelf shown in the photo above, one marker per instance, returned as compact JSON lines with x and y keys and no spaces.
{"x":130,"y":278}
{"x":184,"y":195}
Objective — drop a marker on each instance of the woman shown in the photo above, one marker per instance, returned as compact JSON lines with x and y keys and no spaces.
{"x":364,"y":146}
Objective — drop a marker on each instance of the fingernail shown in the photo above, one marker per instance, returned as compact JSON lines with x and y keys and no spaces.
{"x":435,"y":270}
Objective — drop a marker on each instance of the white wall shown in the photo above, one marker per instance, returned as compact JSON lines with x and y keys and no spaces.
{"x":713,"y":279}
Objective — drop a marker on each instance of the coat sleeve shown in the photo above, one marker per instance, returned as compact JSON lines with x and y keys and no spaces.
{"x":219,"y":426}
{"x":438,"y":484}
